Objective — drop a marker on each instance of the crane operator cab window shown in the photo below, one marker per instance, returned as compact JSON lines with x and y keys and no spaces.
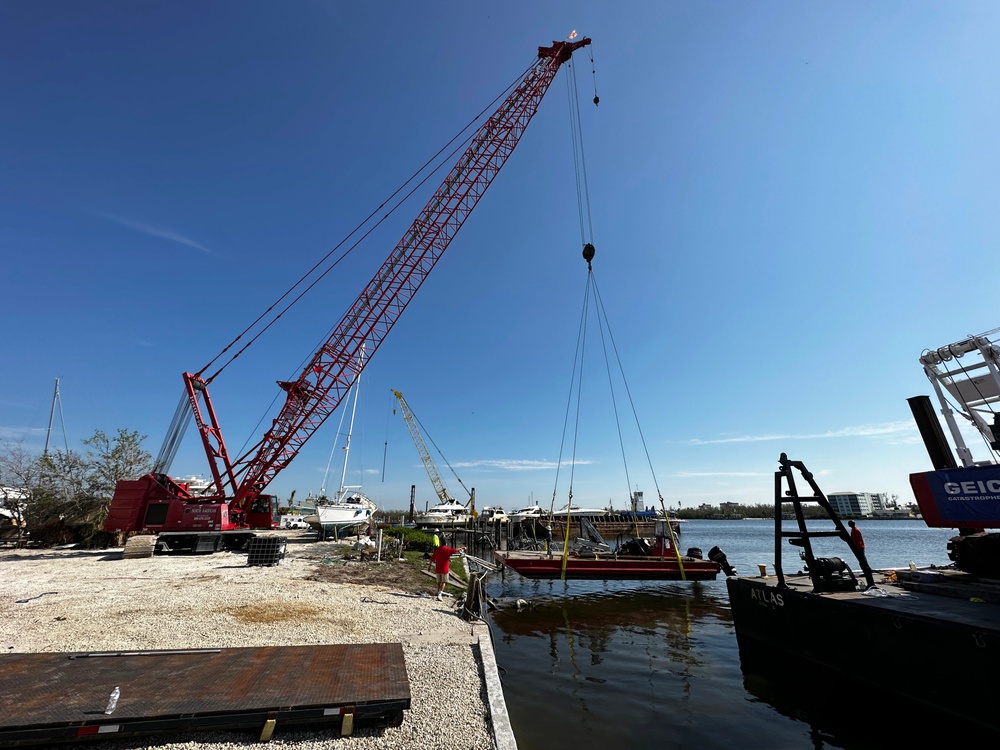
{"x":262,"y":504}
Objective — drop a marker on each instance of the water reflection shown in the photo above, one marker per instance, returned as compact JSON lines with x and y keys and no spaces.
{"x":622,"y":666}
{"x":842,"y":712}
{"x":594,"y":664}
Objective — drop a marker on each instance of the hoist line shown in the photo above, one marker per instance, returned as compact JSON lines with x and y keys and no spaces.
{"x":593,"y":72}
{"x":583,"y":169}
{"x":581,"y":346}
{"x":247,"y":451}
{"x":569,"y":398}
{"x":579,"y":387}
{"x":571,"y":90}
{"x":602,"y":320}
{"x":579,"y":157}
{"x":628,"y":392}
{"x":438,"y":157}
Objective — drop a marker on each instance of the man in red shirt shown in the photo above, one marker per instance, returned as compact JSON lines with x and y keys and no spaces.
{"x":441,"y":557}
{"x":859,"y":541}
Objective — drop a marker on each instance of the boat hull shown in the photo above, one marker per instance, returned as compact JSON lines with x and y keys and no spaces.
{"x":932,"y":650}
{"x":340,"y":517}
{"x":538,"y":564}
{"x":432,"y":522}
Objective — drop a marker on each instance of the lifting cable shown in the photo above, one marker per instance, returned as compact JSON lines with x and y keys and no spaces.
{"x":440,"y":160}
{"x":593,"y":293}
{"x":586,"y":238}
{"x":445,"y":155}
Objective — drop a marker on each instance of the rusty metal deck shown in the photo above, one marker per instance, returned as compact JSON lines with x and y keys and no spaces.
{"x":62,"y":697}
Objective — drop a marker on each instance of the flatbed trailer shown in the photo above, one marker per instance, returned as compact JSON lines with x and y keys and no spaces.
{"x":57,"y":698}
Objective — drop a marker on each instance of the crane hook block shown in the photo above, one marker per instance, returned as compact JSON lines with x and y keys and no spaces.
{"x":588,"y":253}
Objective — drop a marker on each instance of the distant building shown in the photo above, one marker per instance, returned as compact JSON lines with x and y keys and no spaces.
{"x":858,"y":503}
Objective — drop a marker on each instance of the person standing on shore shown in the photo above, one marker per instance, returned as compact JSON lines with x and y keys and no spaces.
{"x":441,"y":559}
{"x":858,"y":540}
{"x":436,"y":542}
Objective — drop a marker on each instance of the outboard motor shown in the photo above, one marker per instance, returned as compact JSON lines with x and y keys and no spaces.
{"x":717,"y":556}
{"x":694,"y":552}
{"x":638,"y":546}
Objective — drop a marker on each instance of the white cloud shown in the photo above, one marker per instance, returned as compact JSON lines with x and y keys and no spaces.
{"x":689,"y":474}
{"x":896,"y":430}
{"x":165,"y":234}
{"x":516,"y":464}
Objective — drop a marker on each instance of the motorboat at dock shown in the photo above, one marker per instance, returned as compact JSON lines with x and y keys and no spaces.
{"x":447,"y":514}
{"x":528,"y":513}
{"x":493,"y":515}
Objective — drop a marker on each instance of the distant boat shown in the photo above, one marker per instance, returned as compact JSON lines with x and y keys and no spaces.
{"x":575,"y":511}
{"x":529,"y":513}
{"x":443,"y":514}
{"x":493,"y":514}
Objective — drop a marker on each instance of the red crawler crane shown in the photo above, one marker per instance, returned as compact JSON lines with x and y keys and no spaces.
{"x":157,"y":503}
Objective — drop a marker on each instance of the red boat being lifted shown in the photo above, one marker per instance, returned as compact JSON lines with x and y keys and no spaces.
{"x":636,"y":560}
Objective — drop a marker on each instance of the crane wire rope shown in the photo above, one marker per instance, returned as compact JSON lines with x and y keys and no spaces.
{"x":440,"y":158}
{"x":579,"y":157}
{"x":592,"y":290}
{"x":569,"y":403}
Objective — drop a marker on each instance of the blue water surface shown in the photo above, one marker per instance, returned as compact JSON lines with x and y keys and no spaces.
{"x":593,"y":664}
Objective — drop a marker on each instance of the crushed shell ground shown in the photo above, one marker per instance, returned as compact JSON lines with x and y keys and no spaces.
{"x":100,"y":602}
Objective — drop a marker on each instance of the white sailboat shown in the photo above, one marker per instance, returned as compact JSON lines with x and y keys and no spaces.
{"x":349,"y":508}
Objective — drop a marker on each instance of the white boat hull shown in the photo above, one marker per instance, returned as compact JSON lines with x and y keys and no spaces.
{"x":357,"y":511}
{"x":450,"y":515}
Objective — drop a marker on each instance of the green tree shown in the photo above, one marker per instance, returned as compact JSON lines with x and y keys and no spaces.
{"x":19,"y":476}
{"x":112,"y":459}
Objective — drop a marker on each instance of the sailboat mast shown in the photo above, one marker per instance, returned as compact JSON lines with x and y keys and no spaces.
{"x":350,"y":427}
{"x":350,"y":430}
{"x":52,"y":412}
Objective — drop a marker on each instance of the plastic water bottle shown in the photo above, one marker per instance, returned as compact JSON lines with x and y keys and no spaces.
{"x":113,"y":700}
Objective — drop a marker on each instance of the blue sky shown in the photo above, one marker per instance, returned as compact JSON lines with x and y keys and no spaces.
{"x":790,"y":201}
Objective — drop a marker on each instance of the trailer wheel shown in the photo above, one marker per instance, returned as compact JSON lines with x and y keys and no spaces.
{"x":139,"y":546}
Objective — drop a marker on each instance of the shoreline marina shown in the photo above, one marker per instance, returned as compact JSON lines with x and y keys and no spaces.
{"x":661,"y":656}
{"x":663,"y":659}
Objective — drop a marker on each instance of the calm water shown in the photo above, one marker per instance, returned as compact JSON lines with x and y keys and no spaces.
{"x":656,"y":665}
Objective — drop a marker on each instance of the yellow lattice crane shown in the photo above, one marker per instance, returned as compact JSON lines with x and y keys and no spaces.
{"x":418,"y":440}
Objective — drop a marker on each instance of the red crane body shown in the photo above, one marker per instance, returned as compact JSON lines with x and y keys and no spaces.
{"x":156,"y":503}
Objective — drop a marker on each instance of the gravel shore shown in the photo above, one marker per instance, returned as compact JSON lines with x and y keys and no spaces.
{"x":92,"y":600}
